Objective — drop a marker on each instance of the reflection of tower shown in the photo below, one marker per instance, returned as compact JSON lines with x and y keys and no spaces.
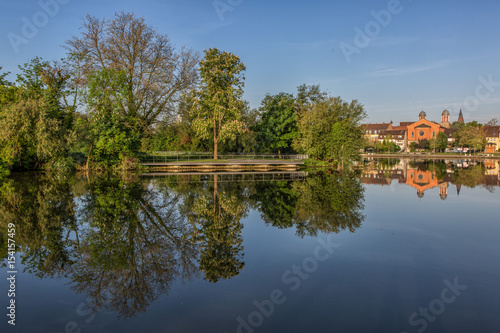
{"x":461,"y":117}
{"x":422,"y":115}
{"x":445,"y":119}
{"x":459,"y":186}
{"x":420,"y":194}
{"x":443,"y":190}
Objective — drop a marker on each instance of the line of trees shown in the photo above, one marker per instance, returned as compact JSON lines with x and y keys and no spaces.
{"x":125,"y":90}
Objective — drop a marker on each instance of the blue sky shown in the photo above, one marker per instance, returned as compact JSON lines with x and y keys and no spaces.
{"x":420,"y":54}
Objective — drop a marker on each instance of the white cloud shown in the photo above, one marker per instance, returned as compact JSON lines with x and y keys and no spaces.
{"x":406,"y":70}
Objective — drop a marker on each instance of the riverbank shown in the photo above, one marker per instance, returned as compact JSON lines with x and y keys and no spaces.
{"x":432,"y":156}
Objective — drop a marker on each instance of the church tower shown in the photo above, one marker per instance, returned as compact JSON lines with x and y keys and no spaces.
{"x":445,"y":119}
{"x":461,"y":117}
{"x":422,"y":115}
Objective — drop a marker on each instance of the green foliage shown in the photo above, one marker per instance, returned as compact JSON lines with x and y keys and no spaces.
{"x":246,"y":141}
{"x":35,"y":124}
{"x":155,"y":74}
{"x":218,"y":104}
{"x":457,"y":124}
{"x":278,"y":126}
{"x":422,"y":144}
{"x":216,"y":214}
{"x":331,"y":130}
{"x":307,"y":96}
{"x":386,"y":146}
{"x":329,"y":202}
{"x":441,"y":142}
{"x":470,"y":135}
{"x":115,"y":136}
{"x":278,"y":201}
{"x":4,"y":170}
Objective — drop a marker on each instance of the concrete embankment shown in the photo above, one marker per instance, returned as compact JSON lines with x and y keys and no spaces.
{"x":248,"y":165}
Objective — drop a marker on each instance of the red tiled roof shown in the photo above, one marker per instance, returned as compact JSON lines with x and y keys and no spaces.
{"x":491,"y":131}
{"x":393,"y":133}
{"x":378,"y":127}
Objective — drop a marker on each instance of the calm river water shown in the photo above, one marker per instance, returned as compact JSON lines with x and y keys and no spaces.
{"x":395,"y":246}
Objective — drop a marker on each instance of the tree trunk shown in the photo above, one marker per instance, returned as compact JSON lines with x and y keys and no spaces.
{"x":215,"y":139}
{"x":88,"y":157}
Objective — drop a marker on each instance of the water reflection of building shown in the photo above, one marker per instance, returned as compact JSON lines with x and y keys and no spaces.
{"x":425,"y":176}
{"x":423,"y":180}
{"x":412,"y":131}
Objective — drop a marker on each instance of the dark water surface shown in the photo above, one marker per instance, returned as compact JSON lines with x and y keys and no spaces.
{"x":399,"y":246}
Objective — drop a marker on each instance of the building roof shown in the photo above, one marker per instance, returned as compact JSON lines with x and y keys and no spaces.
{"x":392,"y":133}
{"x":400,"y":128}
{"x":449,"y":132}
{"x":406,"y":123}
{"x":445,"y":113}
{"x":491,"y":131}
{"x":378,"y":127}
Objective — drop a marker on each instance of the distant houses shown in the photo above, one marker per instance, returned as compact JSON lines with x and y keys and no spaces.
{"x":408,"y":132}
{"x":492,"y":139}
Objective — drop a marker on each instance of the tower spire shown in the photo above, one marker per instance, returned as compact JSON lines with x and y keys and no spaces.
{"x":461,"y":117}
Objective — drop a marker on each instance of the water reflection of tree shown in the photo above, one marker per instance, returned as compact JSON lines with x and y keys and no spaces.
{"x":277,"y":201}
{"x":471,"y":176}
{"x":215,"y":212}
{"x":324,"y":202}
{"x":123,"y":241}
{"x":42,"y":208}
{"x":329,"y":202}
{"x":133,"y":248}
{"x":439,"y":167}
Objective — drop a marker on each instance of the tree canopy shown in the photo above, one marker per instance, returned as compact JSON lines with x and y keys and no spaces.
{"x":331,"y":130}
{"x":218,"y":102}
{"x":155,"y":74}
{"x":278,"y":126}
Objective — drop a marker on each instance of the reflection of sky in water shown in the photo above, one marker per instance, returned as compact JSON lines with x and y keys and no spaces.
{"x":379,"y":275}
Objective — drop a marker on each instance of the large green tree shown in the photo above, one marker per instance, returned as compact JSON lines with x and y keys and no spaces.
{"x":114,"y":134}
{"x":218,"y":105}
{"x":331,"y":130}
{"x":470,"y":135}
{"x":278,"y":126}
{"x":35,"y":119}
{"x":441,"y":142}
{"x":157,"y":75}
